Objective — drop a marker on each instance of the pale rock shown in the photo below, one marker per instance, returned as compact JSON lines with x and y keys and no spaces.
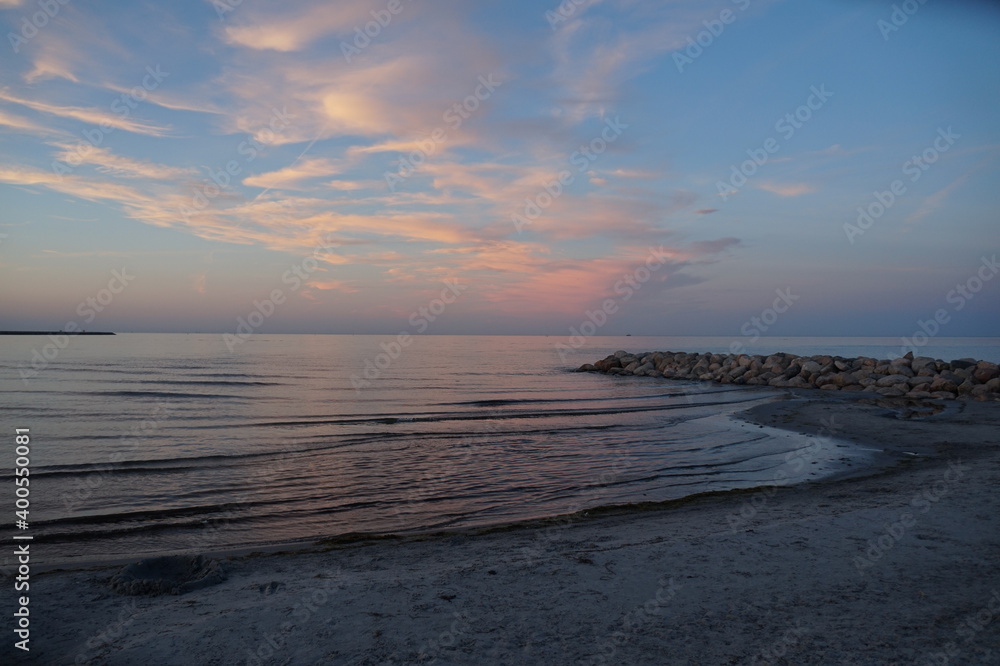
{"x":811,"y":367}
{"x":890,"y":380}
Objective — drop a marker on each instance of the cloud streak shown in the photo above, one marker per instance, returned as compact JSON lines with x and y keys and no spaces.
{"x":88,"y":115}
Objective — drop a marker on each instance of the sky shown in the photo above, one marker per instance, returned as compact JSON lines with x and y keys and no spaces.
{"x":500,"y":167}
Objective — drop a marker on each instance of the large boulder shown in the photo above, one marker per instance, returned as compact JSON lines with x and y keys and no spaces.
{"x":793,"y":370}
{"x":985,"y":371}
{"x":811,"y":367}
{"x":979,"y":391}
{"x":923,"y":363}
{"x":608,"y":363}
{"x":891,"y":380}
{"x":943,"y":384}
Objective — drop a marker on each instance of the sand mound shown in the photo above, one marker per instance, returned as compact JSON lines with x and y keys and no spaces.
{"x":173,"y":574}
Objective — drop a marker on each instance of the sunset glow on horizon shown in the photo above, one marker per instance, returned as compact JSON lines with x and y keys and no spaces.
{"x":681,"y":160}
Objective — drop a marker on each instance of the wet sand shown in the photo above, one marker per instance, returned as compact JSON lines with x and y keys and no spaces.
{"x":898,"y":566}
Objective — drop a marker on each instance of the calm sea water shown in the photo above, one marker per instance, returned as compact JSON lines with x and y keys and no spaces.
{"x":157,"y":443}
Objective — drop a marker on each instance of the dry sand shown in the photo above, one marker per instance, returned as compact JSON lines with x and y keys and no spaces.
{"x":899,"y":567}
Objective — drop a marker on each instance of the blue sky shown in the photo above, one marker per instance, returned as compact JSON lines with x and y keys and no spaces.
{"x":314,"y":141}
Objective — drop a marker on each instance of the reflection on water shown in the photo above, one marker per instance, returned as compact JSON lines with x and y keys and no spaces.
{"x":165,"y":442}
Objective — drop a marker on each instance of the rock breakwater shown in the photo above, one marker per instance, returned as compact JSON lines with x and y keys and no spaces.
{"x":907,"y":376}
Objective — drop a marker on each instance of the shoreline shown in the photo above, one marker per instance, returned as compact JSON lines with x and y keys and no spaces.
{"x":770,"y":414}
{"x":733,"y":416}
{"x":821,"y":572}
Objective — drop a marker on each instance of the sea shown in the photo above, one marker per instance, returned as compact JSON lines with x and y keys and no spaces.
{"x":144,"y":444}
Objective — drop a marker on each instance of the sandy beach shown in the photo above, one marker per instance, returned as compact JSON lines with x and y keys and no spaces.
{"x":898,"y":566}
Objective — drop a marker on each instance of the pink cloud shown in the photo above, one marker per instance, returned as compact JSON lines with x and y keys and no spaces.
{"x":787,"y":189}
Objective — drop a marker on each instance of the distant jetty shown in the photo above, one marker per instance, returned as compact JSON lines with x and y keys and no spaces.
{"x":907,"y":376}
{"x":56,"y":333}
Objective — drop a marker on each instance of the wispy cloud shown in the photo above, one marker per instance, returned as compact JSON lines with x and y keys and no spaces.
{"x":23,"y":124}
{"x":54,"y":58}
{"x":932,"y":203}
{"x":335,"y":285}
{"x":293,"y":177}
{"x":119,"y":165}
{"x":293,"y":29}
{"x":90,"y":116}
{"x":91,"y":190}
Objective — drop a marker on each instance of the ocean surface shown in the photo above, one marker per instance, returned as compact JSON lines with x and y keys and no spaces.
{"x":148,"y":443}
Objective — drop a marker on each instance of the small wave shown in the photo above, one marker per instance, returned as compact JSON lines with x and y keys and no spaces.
{"x":157,"y":394}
